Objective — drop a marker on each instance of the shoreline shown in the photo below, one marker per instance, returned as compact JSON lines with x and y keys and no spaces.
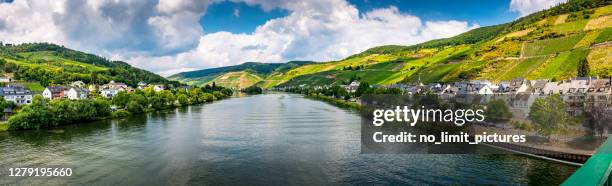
{"x":356,"y":106}
{"x":4,"y":126}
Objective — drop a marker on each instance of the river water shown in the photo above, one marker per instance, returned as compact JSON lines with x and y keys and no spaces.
{"x":263,"y":139}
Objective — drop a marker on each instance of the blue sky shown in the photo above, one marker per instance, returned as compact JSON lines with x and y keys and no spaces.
{"x":171,"y":36}
{"x":238,"y":17}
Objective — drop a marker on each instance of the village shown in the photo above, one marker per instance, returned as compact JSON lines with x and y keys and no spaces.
{"x":18,"y":95}
{"x":519,"y":93}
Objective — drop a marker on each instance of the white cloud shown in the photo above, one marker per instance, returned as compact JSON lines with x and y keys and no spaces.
{"x":526,"y":7}
{"x":315,"y":30}
{"x":165,"y":37}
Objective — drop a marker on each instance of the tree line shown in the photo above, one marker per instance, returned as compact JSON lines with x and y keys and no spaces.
{"x":43,"y":113}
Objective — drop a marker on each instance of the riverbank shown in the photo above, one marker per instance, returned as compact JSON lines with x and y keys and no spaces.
{"x":336,"y":102}
{"x":3,"y":126}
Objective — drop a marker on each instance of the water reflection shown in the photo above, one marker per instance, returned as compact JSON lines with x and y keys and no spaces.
{"x":264,"y":139}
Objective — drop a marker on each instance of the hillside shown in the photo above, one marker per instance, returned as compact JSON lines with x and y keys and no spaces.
{"x":38,"y":65}
{"x":557,"y":43}
{"x":238,"y":76}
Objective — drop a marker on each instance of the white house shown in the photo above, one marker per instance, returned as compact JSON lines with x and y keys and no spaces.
{"x":5,"y":79}
{"x":352,"y":87}
{"x":77,"y":93}
{"x":54,"y":92}
{"x":158,"y":88}
{"x":142,"y":85}
{"x":16,"y":94}
{"x":79,"y":84}
{"x":111,"y":92}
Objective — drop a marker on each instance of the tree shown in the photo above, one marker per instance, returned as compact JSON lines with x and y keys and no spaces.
{"x":599,"y":120}
{"x":182,"y":99}
{"x":497,"y":110}
{"x":33,"y":116}
{"x":121,"y":99}
{"x":583,"y":68}
{"x":134,"y":107}
{"x":363,"y":88}
{"x":548,"y":114}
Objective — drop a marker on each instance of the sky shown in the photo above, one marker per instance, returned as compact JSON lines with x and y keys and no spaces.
{"x":172,"y":36}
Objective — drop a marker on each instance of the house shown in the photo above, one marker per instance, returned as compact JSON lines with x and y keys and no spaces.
{"x":142,"y":85}
{"x":8,"y":112}
{"x":114,"y":85}
{"x":599,"y":93}
{"x":54,"y":92}
{"x":16,"y":94}
{"x":5,"y":79}
{"x":352,"y":87}
{"x":518,"y":86}
{"x":158,"y":88}
{"x":537,"y":86}
{"x":79,"y":84}
{"x":111,"y":91}
{"x":75,"y":93}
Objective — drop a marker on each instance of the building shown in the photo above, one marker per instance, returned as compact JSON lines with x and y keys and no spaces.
{"x":518,"y":86}
{"x":54,"y":92}
{"x":75,"y":93}
{"x":16,"y":94}
{"x":142,"y":85}
{"x":158,"y":88}
{"x":79,"y":84}
{"x":114,"y":85}
{"x":5,"y":79}
{"x":352,"y":87}
{"x":111,"y":92}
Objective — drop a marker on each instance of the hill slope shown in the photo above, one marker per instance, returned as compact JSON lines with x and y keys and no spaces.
{"x":550,"y":44}
{"x":47,"y":64}
{"x":238,"y":76}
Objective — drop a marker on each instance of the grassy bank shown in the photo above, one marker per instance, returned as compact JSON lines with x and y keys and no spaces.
{"x":337,"y":102}
{"x":3,"y":126}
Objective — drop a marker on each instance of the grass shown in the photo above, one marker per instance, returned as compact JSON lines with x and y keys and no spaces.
{"x":600,"y":22}
{"x":601,"y":11}
{"x":4,"y":126}
{"x":522,"y":68}
{"x":32,"y":85}
{"x":588,"y":39}
{"x":52,"y":58}
{"x":568,"y":27}
{"x":551,"y":46}
{"x":604,"y":36}
{"x":599,"y":61}
{"x":237,"y":80}
{"x":563,"y":66}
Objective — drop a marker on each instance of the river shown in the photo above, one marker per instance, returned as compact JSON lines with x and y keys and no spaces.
{"x":263,"y":139}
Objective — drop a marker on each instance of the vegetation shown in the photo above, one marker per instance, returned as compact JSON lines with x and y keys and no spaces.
{"x":498,"y":111}
{"x":599,"y":120}
{"x":253,"y":90}
{"x":52,"y":64}
{"x":44,"y":113}
{"x":548,"y":114}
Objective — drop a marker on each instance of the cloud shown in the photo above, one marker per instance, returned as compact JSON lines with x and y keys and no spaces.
{"x":526,"y":7}
{"x":315,"y":30}
{"x":165,"y":36}
{"x":236,"y":12}
{"x":151,"y":27}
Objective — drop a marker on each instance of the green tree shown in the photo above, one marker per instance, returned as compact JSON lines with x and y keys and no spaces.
{"x":548,"y":114}
{"x":134,"y":107}
{"x":363,"y":88}
{"x":497,"y":111}
{"x":583,"y":68}
{"x":33,"y":116}
{"x":182,"y":99}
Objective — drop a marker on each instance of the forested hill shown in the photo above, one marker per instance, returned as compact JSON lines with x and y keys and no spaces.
{"x":237,"y":76}
{"x":51,"y":64}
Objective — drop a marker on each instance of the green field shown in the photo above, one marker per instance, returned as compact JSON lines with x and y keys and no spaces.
{"x":574,"y":26}
{"x":522,"y":68}
{"x":604,"y":36}
{"x":551,"y":46}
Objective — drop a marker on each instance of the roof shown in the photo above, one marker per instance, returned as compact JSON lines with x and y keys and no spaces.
{"x":80,"y":90}
{"x":56,"y":89}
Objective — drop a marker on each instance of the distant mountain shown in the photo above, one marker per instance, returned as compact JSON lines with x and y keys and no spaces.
{"x":238,"y":76}
{"x":42,"y":64}
{"x":569,"y":40}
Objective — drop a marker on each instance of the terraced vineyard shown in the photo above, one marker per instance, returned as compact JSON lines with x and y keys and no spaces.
{"x":545,"y":45}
